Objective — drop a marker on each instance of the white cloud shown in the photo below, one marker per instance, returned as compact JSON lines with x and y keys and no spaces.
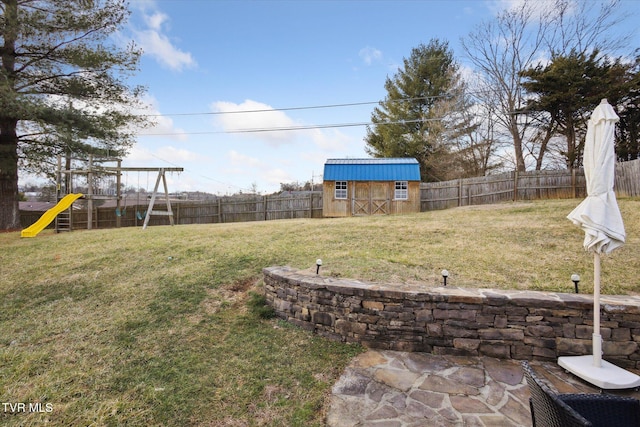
{"x":277,"y":176}
{"x":468,"y":74}
{"x":177,"y":155}
{"x":370,"y":55}
{"x":542,"y":59}
{"x":154,"y":41}
{"x":244,"y":165}
{"x":138,"y":155}
{"x":538,"y":8}
{"x":158,"y":46}
{"x":156,"y":20}
{"x":329,"y":140}
{"x":145,"y":4}
{"x":252,"y":115}
{"x":166,"y":156}
{"x":238,"y":159}
{"x":142,"y":156}
{"x":162,"y":124}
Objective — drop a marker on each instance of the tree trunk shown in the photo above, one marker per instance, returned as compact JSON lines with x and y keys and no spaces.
{"x":517,"y":146}
{"x":9,"y":207}
{"x":543,"y":148}
{"x":572,"y":149}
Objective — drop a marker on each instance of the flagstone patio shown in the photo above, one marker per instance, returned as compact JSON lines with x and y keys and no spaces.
{"x":400,"y":389}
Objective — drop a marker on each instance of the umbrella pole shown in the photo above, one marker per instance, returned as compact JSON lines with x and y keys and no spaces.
{"x":597,"y":338}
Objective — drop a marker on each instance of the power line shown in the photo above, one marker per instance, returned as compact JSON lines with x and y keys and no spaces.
{"x":264,"y":110}
{"x":310,"y":107}
{"x":293,"y":128}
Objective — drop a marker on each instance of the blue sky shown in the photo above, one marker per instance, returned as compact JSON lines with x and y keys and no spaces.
{"x":212,"y":56}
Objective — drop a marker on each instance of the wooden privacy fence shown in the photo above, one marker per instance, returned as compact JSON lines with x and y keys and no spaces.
{"x":628,"y":178}
{"x":222,"y":210}
{"x":513,"y":186}
{"x":265,"y":208}
{"x":510,"y":186}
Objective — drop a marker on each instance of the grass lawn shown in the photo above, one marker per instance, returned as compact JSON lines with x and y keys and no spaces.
{"x":154,"y":327}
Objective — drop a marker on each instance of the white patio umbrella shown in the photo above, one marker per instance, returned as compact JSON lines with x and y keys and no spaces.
{"x":599,"y":216}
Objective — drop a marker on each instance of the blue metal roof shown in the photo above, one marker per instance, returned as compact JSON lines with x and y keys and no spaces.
{"x":390,"y":169}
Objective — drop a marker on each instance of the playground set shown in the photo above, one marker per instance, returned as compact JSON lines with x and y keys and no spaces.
{"x":103,"y":182}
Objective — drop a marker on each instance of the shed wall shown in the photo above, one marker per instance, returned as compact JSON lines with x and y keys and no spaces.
{"x":332,"y":207}
{"x":369,"y":198}
{"x":407,"y":206}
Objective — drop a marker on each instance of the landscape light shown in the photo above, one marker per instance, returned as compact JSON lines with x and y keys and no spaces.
{"x":575,"y":278}
{"x":445,"y":274}
{"x":318,"y":264}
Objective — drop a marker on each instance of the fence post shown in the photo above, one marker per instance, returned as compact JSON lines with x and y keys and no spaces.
{"x":573,"y":182}
{"x":459,"y":192}
{"x":515,"y":186}
{"x":118,"y":193}
{"x":90,"y":194}
{"x":264,"y":202}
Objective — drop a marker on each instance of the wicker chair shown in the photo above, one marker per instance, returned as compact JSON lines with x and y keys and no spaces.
{"x":549,"y":409}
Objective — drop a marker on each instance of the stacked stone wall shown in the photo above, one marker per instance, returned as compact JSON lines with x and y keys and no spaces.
{"x":455,"y":321}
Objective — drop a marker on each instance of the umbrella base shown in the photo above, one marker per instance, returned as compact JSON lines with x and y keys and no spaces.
{"x":607,"y":377}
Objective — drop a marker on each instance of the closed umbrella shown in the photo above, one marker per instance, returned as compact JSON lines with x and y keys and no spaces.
{"x":599,"y":216}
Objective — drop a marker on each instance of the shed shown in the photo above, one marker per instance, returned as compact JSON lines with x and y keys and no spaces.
{"x":385,"y":186}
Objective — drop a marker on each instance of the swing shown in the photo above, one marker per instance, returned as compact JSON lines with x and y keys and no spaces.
{"x":123,"y":212}
{"x":141,"y":215}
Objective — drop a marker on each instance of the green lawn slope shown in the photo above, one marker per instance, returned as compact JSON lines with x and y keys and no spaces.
{"x":159,"y":327}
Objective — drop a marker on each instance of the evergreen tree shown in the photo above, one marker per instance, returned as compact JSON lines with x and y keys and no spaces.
{"x":410,"y":121}
{"x":569,"y":88}
{"x":62,"y":87}
{"x":628,"y":129}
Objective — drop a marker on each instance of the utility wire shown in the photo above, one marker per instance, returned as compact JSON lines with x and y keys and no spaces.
{"x":293,"y":128}
{"x":264,"y":110}
{"x":311,"y":107}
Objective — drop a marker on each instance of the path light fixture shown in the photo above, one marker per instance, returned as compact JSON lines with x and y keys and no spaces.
{"x":318,"y":264}
{"x":445,"y":274}
{"x":575,"y":278}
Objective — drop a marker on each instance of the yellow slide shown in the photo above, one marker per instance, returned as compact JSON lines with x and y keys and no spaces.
{"x":48,"y":216}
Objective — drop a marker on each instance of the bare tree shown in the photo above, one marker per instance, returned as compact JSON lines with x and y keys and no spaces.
{"x":579,"y":28}
{"x":473,"y":141}
{"x":499,"y":50}
{"x":527,"y":35}
{"x":479,"y":146}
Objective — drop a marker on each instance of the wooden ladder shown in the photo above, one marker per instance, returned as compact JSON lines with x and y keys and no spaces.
{"x":63,"y":221}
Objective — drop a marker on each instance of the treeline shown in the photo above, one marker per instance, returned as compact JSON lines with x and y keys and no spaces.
{"x":538,"y":70}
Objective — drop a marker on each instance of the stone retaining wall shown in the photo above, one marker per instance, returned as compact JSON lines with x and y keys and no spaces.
{"x":449,"y":320}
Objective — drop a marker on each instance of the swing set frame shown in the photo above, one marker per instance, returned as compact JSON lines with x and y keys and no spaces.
{"x":161,"y":176}
{"x":95,"y":168}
